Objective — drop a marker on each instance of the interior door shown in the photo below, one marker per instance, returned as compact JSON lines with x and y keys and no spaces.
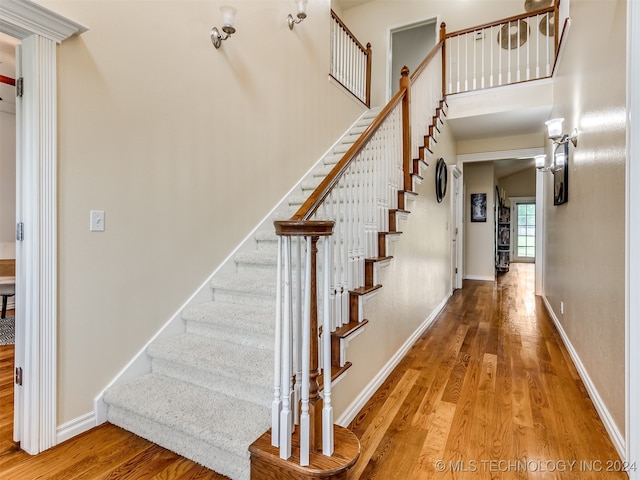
{"x":409,"y":45}
{"x":524,"y":221}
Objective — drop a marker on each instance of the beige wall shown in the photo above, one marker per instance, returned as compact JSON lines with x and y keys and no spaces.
{"x":584,"y":263}
{"x":185,"y":148}
{"x":479,"y":261}
{"x":521,"y":184}
{"x":371,"y":21}
{"x":416,"y":281}
{"x":7,"y":183}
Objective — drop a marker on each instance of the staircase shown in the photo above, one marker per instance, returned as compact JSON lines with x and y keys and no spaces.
{"x":209,"y":391}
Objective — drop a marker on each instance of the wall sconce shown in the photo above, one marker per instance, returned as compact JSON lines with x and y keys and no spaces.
{"x":556,"y":165}
{"x":554,"y":127}
{"x":302,"y":14}
{"x":228,"y":18}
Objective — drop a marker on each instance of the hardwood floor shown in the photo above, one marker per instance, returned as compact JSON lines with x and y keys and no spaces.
{"x":487,"y":392}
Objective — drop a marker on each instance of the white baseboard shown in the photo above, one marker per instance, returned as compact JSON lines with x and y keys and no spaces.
{"x":487,"y":278}
{"x":75,"y":427}
{"x":352,"y":410}
{"x":616,"y":436}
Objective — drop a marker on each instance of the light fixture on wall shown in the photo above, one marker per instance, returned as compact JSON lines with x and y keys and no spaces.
{"x":556,"y":165}
{"x":554,"y":127}
{"x":301,"y":15}
{"x":228,"y":18}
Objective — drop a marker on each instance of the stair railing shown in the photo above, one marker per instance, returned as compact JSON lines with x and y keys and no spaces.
{"x":350,"y":61}
{"x":512,"y":50}
{"x":343,"y":218}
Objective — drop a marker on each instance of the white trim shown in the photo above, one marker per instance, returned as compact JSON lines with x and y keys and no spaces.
{"x":457,"y":177}
{"x":540,"y":229}
{"x":616,"y":436}
{"x":389,"y":89}
{"x":75,"y":427}
{"x":486,"y":278}
{"x":23,"y":18}
{"x":500,"y":155}
{"x":632,"y":328}
{"x":35,"y":402}
{"x":359,"y":402}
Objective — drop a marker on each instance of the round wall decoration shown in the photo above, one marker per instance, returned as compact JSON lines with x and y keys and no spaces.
{"x":547,"y":25}
{"x":441,"y":179}
{"x":508,"y":36}
{"x":533,"y":5}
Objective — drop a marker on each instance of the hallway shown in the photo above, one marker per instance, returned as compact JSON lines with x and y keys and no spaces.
{"x":487,"y":392}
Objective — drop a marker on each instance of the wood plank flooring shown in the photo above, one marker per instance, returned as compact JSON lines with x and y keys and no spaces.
{"x":487,"y":392}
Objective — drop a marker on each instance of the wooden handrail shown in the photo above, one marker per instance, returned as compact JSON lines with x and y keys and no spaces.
{"x":514,"y":18}
{"x":7,"y":80}
{"x":309,"y":207}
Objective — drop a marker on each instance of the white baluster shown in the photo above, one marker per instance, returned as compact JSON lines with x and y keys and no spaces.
{"x":306,"y":370}
{"x":276,"y":404}
{"x":285,"y":414}
{"x":327,"y":409}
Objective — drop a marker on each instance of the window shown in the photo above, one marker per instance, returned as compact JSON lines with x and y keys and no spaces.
{"x":526,"y":230}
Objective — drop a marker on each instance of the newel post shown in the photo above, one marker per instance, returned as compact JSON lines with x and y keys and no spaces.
{"x":443,"y":38}
{"x":405,"y":84}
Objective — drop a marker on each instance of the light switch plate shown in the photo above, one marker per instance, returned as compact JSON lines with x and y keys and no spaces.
{"x":97,"y":221}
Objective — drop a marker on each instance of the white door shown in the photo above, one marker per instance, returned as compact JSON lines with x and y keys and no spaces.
{"x":456,"y":230}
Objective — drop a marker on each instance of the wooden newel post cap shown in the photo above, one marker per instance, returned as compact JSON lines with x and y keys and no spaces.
{"x":404,"y":71}
{"x":293,"y":228}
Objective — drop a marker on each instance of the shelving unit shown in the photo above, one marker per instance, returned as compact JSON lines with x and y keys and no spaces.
{"x":503,"y":239}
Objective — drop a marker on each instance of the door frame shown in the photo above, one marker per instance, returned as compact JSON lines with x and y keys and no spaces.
{"x":35,"y":401}
{"x":392,"y":89}
{"x":457,"y":215}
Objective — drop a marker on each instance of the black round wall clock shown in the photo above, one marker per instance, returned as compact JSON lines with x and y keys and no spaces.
{"x":441,"y":179}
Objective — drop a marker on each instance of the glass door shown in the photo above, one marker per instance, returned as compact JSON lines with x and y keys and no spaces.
{"x":525,"y":232}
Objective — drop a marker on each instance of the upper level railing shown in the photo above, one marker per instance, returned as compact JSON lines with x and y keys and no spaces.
{"x":512,"y":50}
{"x":350,"y":61}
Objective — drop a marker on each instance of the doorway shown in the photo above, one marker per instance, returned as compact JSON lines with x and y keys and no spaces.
{"x":39,"y":30}
{"x":523,"y":213}
{"x":409,"y":45}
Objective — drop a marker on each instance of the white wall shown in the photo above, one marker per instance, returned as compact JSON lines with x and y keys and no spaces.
{"x":585,"y":238}
{"x":479,"y":263}
{"x":185,"y":147}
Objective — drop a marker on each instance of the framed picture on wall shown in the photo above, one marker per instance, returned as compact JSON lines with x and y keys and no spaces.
{"x":561,"y":174}
{"x":478,"y":207}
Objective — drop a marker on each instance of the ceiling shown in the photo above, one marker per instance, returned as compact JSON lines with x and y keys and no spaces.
{"x":350,"y":3}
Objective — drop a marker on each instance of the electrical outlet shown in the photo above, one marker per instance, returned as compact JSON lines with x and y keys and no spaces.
{"x":561,"y":308}
{"x":97,"y":221}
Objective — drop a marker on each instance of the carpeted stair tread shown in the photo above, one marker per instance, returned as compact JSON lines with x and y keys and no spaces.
{"x":257,"y":257}
{"x":249,"y":364}
{"x":244,"y":283}
{"x":200,"y":415}
{"x":244,"y":318}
